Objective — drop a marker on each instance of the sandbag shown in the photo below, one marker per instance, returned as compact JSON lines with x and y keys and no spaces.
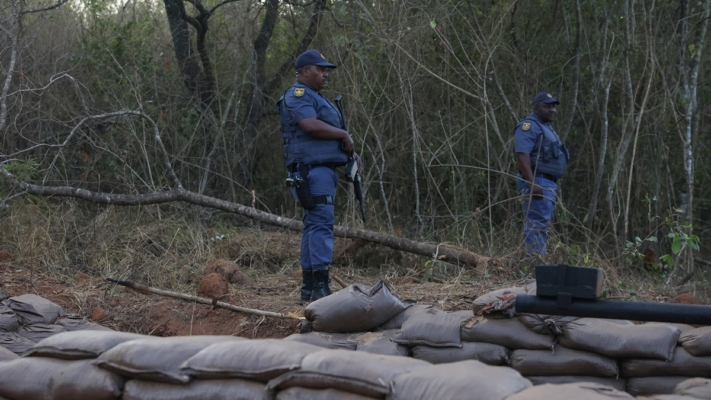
{"x":508,"y":332}
{"x":431,"y":327}
{"x":682,"y":327}
{"x":75,"y":323}
{"x":620,"y":341}
{"x":39,"y":378}
{"x":7,"y":355}
{"x":357,"y":308}
{"x":697,"y":341}
{"x":297,"y":393}
{"x":695,"y":387}
{"x":33,"y":309}
{"x":39,"y":332}
{"x":259,"y":360}
{"x":580,"y":390}
{"x":80,"y":344}
{"x":562,"y":361}
{"x":397,"y":321}
{"x":615,"y":383}
{"x":651,"y":385}
{"x":9,"y":321}
{"x":351,"y":371}
{"x":380,"y":343}
{"x":15,"y":343}
{"x":214,"y":389}
{"x":667,"y":397}
{"x":545,"y":324}
{"x":490,"y":354}
{"x":340,"y":341}
{"x":463,"y":315}
{"x":471,"y":380}
{"x":490,"y":297}
{"x":156,"y":359}
{"x":683,"y":364}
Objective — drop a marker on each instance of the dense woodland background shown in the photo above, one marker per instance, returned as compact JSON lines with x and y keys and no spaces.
{"x":432,"y":89}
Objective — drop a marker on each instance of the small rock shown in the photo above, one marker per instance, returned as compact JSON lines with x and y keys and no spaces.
{"x":98,"y":314}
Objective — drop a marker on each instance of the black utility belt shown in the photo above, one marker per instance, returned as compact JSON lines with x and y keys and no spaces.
{"x":550,"y":177}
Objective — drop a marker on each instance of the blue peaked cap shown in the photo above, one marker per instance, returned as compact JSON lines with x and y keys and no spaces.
{"x":312,"y":57}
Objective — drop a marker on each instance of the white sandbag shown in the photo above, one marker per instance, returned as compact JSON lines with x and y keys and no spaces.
{"x":620,"y":341}
{"x":75,"y":323}
{"x":39,"y":332}
{"x":356,"y":372}
{"x":80,"y":344}
{"x":652,"y":385}
{"x":471,"y":380}
{"x":562,"y":361}
{"x":357,"y":308}
{"x":490,"y":354}
{"x":431,"y":327}
{"x":615,"y":383}
{"x":15,"y":343}
{"x":7,"y":355}
{"x":156,"y":359}
{"x":297,"y":393}
{"x":342,"y":341}
{"x":568,"y":391}
{"x":397,"y":321}
{"x":697,"y":341}
{"x":682,"y":364}
{"x":33,"y":309}
{"x":39,"y":378}
{"x":508,"y":332}
{"x":695,"y":387}
{"x":259,"y":360}
{"x":380,"y":343}
{"x":213,"y":389}
{"x":9,"y":321}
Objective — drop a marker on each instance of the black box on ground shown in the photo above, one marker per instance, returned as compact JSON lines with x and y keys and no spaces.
{"x":578,"y":282}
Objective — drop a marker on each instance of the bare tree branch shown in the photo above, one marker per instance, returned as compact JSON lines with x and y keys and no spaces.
{"x":48,"y":8}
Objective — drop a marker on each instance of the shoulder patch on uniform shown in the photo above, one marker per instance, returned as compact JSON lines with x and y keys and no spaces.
{"x":526,"y":126}
{"x":299,"y":91}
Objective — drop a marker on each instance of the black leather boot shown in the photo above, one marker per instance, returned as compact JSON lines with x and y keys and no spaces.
{"x":307,"y":284}
{"x":321,"y":288}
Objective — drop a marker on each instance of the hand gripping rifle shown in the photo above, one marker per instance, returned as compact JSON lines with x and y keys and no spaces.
{"x":351,"y":172}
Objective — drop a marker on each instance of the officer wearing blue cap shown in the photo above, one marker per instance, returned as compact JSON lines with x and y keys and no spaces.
{"x":315,"y":144}
{"x":542,"y":161}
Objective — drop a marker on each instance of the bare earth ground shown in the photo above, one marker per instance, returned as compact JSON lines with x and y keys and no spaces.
{"x":273,"y":286}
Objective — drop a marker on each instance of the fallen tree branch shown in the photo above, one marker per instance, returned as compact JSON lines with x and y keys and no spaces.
{"x":182,"y":296}
{"x":438,"y":251}
{"x":340,"y":281}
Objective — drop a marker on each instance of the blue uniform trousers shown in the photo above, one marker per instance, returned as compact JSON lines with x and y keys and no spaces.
{"x":537,"y":214}
{"x":317,"y":236}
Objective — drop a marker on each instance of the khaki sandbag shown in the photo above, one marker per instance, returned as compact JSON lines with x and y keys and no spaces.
{"x":351,"y":371}
{"x":495,"y":295}
{"x":39,"y":332}
{"x":431,"y":327}
{"x":9,"y":321}
{"x":508,"y":332}
{"x":80,"y":344}
{"x":683,"y":364}
{"x":545,"y":324}
{"x":697,"y":341}
{"x":39,"y":378}
{"x":380,"y":343}
{"x":33,"y":309}
{"x":156,"y":359}
{"x":75,"y":323}
{"x":15,"y":343}
{"x":340,"y":341}
{"x":397,"y":321}
{"x":213,"y":389}
{"x":471,"y":380}
{"x":259,"y":360}
{"x":357,"y":308}
{"x":580,"y":390}
{"x":7,"y":355}
{"x":651,"y":385}
{"x":615,"y":383}
{"x":298,"y":393}
{"x":562,"y":361}
{"x":490,"y":354}
{"x":620,"y":341}
{"x":695,"y":387}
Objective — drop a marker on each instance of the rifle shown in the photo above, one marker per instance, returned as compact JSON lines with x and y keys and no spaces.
{"x":351,"y":172}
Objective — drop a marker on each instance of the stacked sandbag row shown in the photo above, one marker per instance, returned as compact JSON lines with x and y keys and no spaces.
{"x":27,"y":319}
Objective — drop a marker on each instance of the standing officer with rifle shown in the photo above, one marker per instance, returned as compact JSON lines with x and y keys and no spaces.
{"x":315,"y":144}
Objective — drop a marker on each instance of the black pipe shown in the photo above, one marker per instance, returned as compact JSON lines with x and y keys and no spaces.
{"x":615,"y":309}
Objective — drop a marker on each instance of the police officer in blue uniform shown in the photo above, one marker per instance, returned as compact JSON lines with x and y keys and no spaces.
{"x":542,"y":161}
{"x":315,"y":144}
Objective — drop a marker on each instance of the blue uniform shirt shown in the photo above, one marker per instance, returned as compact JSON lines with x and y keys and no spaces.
{"x":538,"y":139}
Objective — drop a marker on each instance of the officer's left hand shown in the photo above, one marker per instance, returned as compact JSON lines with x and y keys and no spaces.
{"x":360,"y":163}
